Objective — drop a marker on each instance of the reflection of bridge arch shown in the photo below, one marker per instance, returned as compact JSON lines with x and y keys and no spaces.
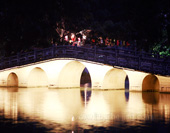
{"x":12,"y":80}
{"x":37,"y":78}
{"x":150,"y":97}
{"x":150,"y":83}
{"x":127,"y":82}
{"x":114,"y":79}
{"x":70,"y":74}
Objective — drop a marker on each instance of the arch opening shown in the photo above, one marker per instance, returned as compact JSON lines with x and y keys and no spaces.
{"x":126,"y":83}
{"x":70,"y":75}
{"x":150,"y":83}
{"x":114,"y":79}
{"x":12,"y":80}
{"x":37,"y":78}
{"x":85,"y":79}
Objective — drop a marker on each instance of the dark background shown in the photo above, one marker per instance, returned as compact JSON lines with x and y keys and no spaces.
{"x":28,"y":24}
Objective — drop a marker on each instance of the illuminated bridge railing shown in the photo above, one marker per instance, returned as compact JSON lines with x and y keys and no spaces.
{"x":112,"y":56}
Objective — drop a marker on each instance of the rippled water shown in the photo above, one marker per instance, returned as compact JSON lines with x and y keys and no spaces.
{"x":83,"y":110}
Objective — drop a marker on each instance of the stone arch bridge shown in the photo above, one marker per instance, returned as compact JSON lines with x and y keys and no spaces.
{"x":62,"y":66}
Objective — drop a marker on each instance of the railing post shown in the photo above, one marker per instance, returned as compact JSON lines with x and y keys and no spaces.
{"x":52,"y":51}
{"x":26,"y":59}
{"x":157,"y":55}
{"x":85,"y":55}
{"x":63,"y":52}
{"x":116,"y":51}
{"x":135,"y":51}
{"x":167,"y":63}
{"x":18,"y":58}
{"x":95,"y":52}
{"x":166,"y":68}
{"x":152,"y":68}
{"x":2,"y":63}
{"x":105,"y":59}
{"x":43,"y":54}
{"x":75,"y":51}
{"x":35,"y":55}
{"x":139,"y":62}
{"x":9,"y":65}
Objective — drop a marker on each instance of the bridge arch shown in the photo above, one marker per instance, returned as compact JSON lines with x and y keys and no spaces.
{"x":70,"y":75}
{"x":12,"y":80}
{"x":127,"y":82}
{"x":37,"y":78}
{"x":114,"y":79}
{"x":85,"y":79}
{"x":150,"y":83}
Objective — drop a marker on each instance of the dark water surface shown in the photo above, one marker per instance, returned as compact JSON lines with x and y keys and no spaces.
{"x":85,"y":110}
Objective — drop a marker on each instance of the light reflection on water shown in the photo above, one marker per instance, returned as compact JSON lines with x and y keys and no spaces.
{"x":80,"y":109}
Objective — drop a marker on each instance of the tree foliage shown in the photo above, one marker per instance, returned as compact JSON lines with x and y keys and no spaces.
{"x":27,"y":24}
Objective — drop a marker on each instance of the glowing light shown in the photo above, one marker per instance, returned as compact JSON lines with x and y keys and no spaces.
{"x":72,"y":119}
{"x":72,"y":37}
{"x":84,"y":37}
{"x":79,"y":40}
{"x":66,"y":38}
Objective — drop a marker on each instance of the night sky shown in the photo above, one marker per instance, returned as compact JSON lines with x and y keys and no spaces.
{"x":27,"y":24}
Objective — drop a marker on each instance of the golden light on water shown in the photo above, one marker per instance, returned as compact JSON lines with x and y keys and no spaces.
{"x":135,"y":108}
{"x":68,"y":107}
{"x":96,"y":111}
{"x":53,"y":109}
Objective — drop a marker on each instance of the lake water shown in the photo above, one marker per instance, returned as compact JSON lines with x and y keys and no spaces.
{"x":83,"y":110}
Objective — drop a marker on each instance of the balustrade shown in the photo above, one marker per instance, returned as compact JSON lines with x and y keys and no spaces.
{"x":141,"y":61}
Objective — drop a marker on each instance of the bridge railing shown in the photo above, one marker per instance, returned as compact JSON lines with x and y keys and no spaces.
{"x":113,"y":56}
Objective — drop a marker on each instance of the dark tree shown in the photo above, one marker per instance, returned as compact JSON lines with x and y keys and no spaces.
{"x":28,"y":24}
